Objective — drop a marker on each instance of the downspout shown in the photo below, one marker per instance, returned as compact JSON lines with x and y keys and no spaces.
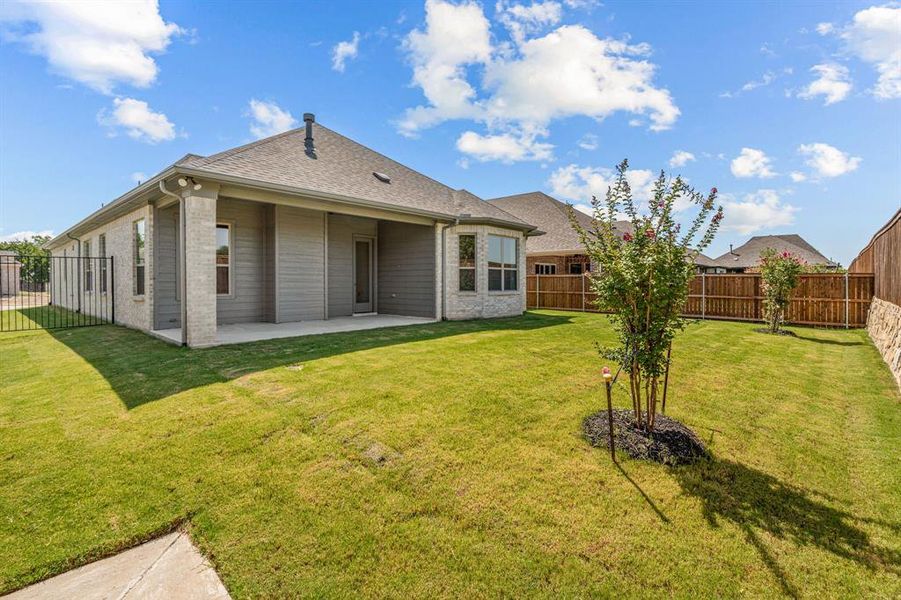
{"x":77,"y":271}
{"x":182,"y":285}
{"x":444,"y":267}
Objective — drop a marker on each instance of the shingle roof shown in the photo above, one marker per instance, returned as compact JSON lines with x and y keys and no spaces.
{"x":338,"y":165}
{"x":551,"y":216}
{"x":748,"y":254}
{"x":702,"y":260}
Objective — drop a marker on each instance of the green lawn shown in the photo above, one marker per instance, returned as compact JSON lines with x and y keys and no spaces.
{"x":446,"y":460}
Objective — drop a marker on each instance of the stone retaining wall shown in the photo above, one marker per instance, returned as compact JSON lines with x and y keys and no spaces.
{"x":884,"y":326}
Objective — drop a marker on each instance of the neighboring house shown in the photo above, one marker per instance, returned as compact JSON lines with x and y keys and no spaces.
{"x":304,"y":225}
{"x":705,"y":264}
{"x":746,"y":257}
{"x":558,"y":251}
{"x":10,"y":271}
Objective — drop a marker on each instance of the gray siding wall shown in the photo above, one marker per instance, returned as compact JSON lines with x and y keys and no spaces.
{"x":341,"y":229}
{"x":247,"y":300}
{"x":406,"y":269}
{"x":166,"y":307}
{"x":300,"y":244}
{"x":269,"y":266}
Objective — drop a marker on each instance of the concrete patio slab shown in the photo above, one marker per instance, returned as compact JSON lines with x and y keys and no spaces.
{"x":168,"y":567}
{"x":253,"y":332}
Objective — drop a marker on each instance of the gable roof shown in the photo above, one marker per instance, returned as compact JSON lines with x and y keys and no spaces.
{"x":551,"y":216}
{"x":702,"y":260}
{"x":335,"y":167}
{"x":748,"y":254}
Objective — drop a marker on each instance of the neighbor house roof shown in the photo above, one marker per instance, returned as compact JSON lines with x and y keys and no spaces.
{"x":334,"y":167}
{"x":748,"y":254}
{"x":702,"y":260}
{"x":552,"y":217}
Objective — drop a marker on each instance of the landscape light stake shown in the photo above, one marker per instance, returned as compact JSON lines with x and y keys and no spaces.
{"x":666,"y":378}
{"x":608,"y":383}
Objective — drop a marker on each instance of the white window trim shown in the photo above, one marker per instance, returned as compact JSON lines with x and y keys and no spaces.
{"x":552,"y":265}
{"x":231,"y":259}
{"x":134,"y":259}
{"x":88,"y":267}
{"x":103,"y":267}
{"x":474,"y":267}
{"x":503,"y":290}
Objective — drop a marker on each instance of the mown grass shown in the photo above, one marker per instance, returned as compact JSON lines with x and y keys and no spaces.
{"x":447,"y":460}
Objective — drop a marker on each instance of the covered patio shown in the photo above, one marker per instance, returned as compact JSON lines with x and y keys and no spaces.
{"x":238,"y":333}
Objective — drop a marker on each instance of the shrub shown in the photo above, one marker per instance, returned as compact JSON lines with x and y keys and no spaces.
{"x":642,"y":277}
{"x":779,"y":275}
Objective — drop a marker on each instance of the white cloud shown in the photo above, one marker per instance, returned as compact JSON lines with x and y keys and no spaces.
{"x":25,"y":235}
{"x":531,"y":82}
{"x":875,"y":37}
{"x":589,"y":141}
{"x":343,"y":51}
{"x":762,"y":209}
{"x":578,"y":184}
{"x":138,"y":120}
{"x":138,"y":177}
{"x":752,"y":163}
{"x":520,"y":19}
{"x":828,"y":161}
{"x":825,"y":28}
{"x":505,"y":147}
{"x":681,"y":158}
{"x":269,"y":119}
{"x":454,"y":37}
{"x":100,"y":44}
{"x":767,"y":79}
{"x":797,"y":176}
{"x":833,"y":83}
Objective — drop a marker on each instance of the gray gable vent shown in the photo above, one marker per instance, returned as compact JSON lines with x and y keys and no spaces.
{"x":381,"y":177}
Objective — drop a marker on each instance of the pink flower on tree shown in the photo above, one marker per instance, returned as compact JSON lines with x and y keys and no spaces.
{"x":713,"y":191}
{"x":627,"y":237}
{"x":649,"y":233}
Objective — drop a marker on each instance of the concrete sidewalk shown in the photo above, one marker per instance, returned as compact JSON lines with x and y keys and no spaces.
{"x":169,"y":567}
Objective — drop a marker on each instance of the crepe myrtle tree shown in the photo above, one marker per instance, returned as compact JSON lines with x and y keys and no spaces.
{"x":642,"y":277}
{"x":779,"y":275}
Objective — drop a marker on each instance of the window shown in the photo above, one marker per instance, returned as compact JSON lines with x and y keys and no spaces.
{"x":467,"y":263}
{"x":502,"y":269}
{"x":545,"y":269}
{"x":138,"y":246}
{"x":88,"y":266}
{"x":576,"y":268}
{"x":223,"y":258}
{"x":101,"y":252}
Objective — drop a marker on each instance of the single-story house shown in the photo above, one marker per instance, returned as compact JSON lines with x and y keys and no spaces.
{"x":303,"y":226}
{"x":559,"y":251}
{"x":746,"y":258}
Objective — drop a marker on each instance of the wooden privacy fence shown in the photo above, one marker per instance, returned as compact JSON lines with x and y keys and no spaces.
{"x":830,"y":299}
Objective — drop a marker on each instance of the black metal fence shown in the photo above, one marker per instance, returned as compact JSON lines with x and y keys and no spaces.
{"x":55,"y":292}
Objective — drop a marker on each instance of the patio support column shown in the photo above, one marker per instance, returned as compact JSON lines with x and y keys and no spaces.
{"x":200,"y":264}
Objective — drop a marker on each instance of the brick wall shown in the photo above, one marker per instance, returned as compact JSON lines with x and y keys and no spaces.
{"x":131,"y":311}
{"x":482,"y":303}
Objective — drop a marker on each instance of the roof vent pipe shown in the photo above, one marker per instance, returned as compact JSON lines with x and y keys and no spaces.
{"x":309,"y":119}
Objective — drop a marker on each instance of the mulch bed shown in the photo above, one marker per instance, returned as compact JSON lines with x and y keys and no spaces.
{"x":671,"y":442}
{"x":780,"y":332}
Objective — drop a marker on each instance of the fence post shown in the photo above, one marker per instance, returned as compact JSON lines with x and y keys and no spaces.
{"x":847,"y":301}
{"x":703,"y":295}
{"x":537,"y":290}
{"x":583,"y":291}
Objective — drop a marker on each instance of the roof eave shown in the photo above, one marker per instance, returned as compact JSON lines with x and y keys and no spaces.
{"x":525,"y":227}
{"x":102,"y":215}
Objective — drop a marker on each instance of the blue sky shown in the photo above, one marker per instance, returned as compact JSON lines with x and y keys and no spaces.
{"x":791,"y":109}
